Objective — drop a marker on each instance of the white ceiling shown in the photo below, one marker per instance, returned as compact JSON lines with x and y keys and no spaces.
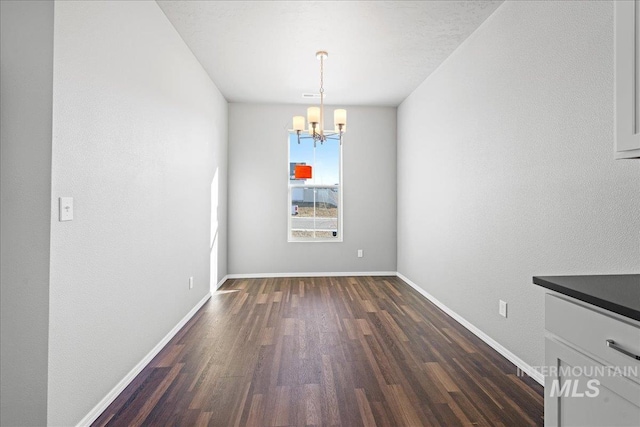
{"x":379,"y":51}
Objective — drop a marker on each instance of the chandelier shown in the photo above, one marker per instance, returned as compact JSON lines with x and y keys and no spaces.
{"x":315,"y":116}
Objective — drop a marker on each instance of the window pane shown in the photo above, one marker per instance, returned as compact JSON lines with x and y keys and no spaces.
{"x":314,"y":189}
{"x":314,"y":212}
{"x":324,"y":160}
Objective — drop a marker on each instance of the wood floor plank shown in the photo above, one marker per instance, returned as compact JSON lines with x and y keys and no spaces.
{"x":256,"y":411}
{"x":440,"y":374}
{"x":203,"y":419}
{"x":280,"y":406}
{"x":330,"y":398}
{"x":239,"y":409}
{"x":156,"y":395}
{"x":312,"y":405}
{"x":330,"y":351}
{"x":407,"y":411}
{"x":365,"y":409}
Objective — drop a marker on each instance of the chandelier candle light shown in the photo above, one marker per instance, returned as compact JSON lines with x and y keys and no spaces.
{"x":315,"y":116}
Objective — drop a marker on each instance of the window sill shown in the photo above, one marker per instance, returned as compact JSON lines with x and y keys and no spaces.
{"x":303,"y":240}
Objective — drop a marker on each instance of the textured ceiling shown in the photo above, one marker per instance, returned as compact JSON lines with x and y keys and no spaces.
{"x":379,"y":51}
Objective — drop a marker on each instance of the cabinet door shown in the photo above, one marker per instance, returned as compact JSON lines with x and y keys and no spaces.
{"x":627,"y":83}
{"x":578,"y":391}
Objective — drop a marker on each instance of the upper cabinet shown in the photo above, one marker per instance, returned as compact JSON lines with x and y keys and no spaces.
{"x":627,"y":83}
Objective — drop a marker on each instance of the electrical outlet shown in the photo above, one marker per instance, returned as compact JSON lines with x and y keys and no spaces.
{"x":360,"y":253}
{"x":503,"y":308}
{"x":191,"y":282}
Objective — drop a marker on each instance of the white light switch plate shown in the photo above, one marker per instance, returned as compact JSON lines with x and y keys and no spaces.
{"x":66,"y":208}
{"x":360,"y":253}
{"x":503,"y":308}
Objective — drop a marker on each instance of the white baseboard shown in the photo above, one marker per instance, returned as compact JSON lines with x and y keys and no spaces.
{"x":525,"y":367}
{"x":221,"y":282}
{"x":310,"y":274}
{"x":119,"y":388}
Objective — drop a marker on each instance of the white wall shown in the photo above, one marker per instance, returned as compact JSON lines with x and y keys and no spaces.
{"x":26,"y":53}
{"x":139,"y":130}
{"x":506,"y":170}
{"x":258,"y":179}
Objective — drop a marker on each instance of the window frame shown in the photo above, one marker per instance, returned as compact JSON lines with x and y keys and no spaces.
{"x":339,"y":187}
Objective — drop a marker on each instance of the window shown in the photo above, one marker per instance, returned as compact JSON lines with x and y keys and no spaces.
{"x":315,"y":191}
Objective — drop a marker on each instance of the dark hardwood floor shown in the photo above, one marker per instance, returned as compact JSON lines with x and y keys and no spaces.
{"x":331,"y":351}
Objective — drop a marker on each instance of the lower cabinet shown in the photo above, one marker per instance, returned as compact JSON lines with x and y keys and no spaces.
{"x":587,"y":382}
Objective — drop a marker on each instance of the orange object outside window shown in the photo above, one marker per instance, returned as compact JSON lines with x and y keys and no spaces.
{"x":303,"y":172}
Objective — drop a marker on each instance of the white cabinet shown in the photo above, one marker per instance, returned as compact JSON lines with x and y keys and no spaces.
{"x":587,"y":382}
{"x":627,"y":79}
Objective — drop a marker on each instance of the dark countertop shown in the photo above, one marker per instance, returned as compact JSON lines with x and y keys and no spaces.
{"x":619,"y":293}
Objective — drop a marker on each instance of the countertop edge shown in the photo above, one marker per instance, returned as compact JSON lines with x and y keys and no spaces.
{"x":598,"y":302}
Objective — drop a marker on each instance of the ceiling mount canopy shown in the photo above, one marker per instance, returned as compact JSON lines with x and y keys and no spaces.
{"x":315,"y":116}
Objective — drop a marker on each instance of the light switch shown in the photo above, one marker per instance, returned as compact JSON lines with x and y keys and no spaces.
{"x":502,"y":309}
{"x":66,"y":208}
